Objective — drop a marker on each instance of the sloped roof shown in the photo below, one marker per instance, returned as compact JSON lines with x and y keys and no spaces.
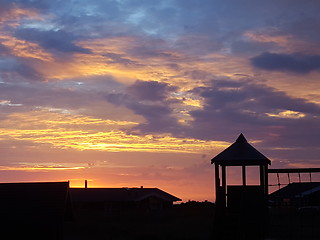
{"x":33,"y":201}
{"x":296,"y":190}
{"x":118,"y":194}
{"x":240,"y":153}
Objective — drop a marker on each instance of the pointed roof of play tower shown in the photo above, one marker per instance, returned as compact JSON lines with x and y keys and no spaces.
{"x":240,"y":153}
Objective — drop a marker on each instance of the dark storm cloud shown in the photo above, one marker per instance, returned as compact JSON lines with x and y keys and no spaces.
{"x":53,"y":40}
{"x":297,"y":62}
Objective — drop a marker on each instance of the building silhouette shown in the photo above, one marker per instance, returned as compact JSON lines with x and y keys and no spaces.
{"x":34,"y":210}
{"x":110,"y":201}
{"x":297,"y":194}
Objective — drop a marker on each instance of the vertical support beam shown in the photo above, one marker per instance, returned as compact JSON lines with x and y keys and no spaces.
{"x":266,"y":197}
{"x":223,"y":172}
{"x":279,"y":184}
{"x":244,"y":177}
{"x":224,"y":184}
{"x":266,"y":180}
{"x":310,"y":177}
{"x":262,"y":180}
{"x":217,"y":181}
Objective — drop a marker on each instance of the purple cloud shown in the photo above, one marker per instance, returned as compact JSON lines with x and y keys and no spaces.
{"x":229,"y":108}
{"x":149,"y":100}
{"x":297,"y":62}
{"x":151,"y":90}
{"x":53,"y":40}
{"x":233,"y":107}
{"x":3,"y":50}
{"x":16,"y":69}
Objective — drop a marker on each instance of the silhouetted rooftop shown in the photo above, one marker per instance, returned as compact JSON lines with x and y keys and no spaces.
{"x":296,"y":189}
{"x":34,"y":210}
{"x":240,"y":153}
{"x":119,"y":194}
{"x":33,"y":201}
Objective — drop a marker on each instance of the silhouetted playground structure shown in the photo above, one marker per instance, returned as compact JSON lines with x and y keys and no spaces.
{"x":242,"y":210}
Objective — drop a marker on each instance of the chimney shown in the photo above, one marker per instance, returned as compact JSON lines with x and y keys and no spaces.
{"x":86,"y":183}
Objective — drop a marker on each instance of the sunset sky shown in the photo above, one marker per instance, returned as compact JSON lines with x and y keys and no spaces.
{"x":127,"y":93}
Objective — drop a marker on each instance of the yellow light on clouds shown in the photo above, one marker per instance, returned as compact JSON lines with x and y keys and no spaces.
{"x":66,"y":131}
{"x":287,"y":114}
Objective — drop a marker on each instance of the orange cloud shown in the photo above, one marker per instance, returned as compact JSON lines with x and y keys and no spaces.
{"x":267,"y":37}
{"x":12,"y":15}
{"x":41,"y":168}
{"x":25,"y":49}
{"x":287,"y":42}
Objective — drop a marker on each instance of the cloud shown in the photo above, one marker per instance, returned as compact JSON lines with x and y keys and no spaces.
{"x":296,"y":62}
{"x":306,"y":27}
{"x":15,"y":69}
{"x":151,"y":90}
{"x":52,"y":40}
{"x":121,"y":59}
{"x":11,"y":13}
{"x":228,"y":108}
{"x":242,"y":47}
{"x":75,"y":96}
{"x":260,"y":111}
{"x":3,"y":50}
{"x":150,"y":100}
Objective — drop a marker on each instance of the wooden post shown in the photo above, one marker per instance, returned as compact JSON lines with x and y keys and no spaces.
{"x":244,"y":177}
{"x":266,"y":180}
{"x":265,"y":221}
{"x":217,"y":180}
{"x":310,"y":176}
{"x":262,"y":178}
{"x":224,"y":184}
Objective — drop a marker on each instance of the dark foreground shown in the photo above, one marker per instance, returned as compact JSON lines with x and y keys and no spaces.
{"x":189,"y":221}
